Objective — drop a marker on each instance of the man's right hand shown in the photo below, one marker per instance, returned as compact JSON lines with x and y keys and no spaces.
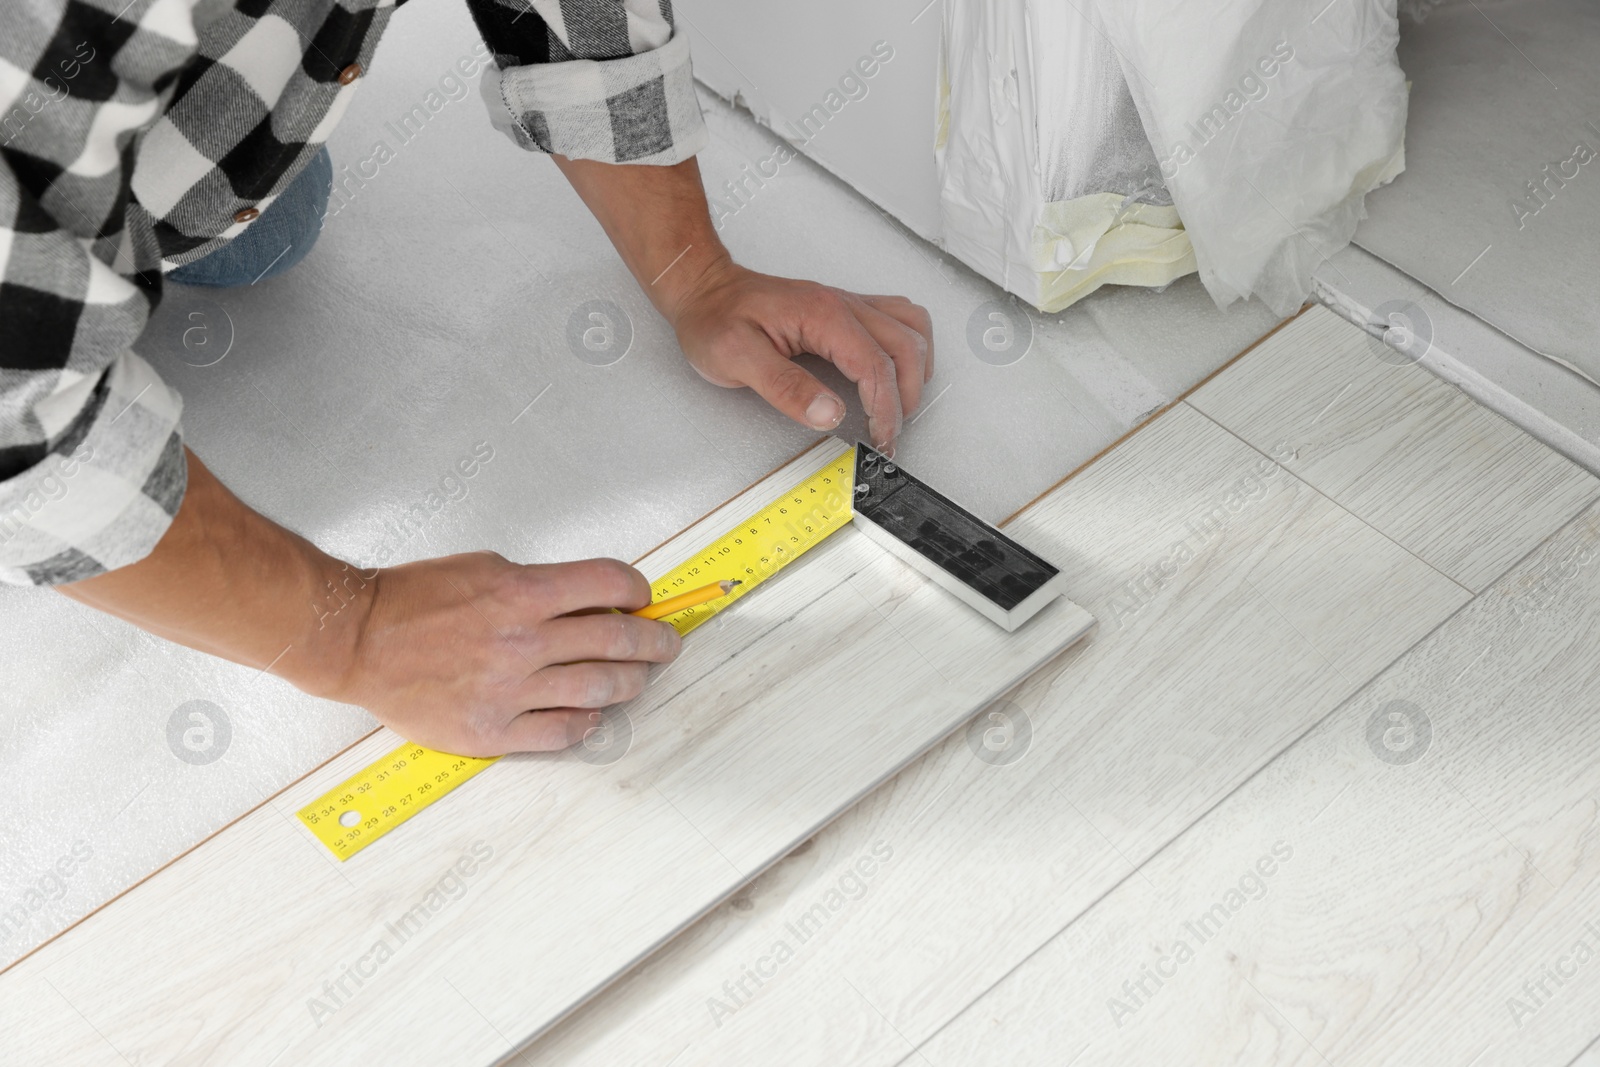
{"x":477,"y":655}
{"x":471,"y":654}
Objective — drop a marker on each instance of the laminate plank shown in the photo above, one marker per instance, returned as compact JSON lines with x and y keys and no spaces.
{"x":1589,"y":1057}
{"x":1430,"y":901}
{"x":1449,"y":479}
{"x":46,"y":1011}
{"x":1203,"y":669}
{"x":988,"y":860}
{"x":497,"y":910}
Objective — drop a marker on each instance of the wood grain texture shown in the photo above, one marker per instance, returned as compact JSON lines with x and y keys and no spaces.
{"x":1202,"y":672}
{"x":1589,"y":1057}
{"x":492,"y":913}
{"x":1438,"y":473}
{"x":1435,"y":904}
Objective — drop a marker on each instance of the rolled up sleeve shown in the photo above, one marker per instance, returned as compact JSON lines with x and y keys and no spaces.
{"x":607,"y":80}
{"x":108,"y":487}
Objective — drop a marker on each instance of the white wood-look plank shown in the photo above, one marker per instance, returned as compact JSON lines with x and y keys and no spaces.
{"x":1444,"y":910}
{"x":1200,"y":673}
{"x":1589,"y":1057}
{"x":44,"y":1010}
{"x":485,"y":918}
{"x":1133,"y":739}
{"x":1447,"y":478}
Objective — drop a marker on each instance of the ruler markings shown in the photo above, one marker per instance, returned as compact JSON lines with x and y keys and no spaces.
{"x":392,"y":789}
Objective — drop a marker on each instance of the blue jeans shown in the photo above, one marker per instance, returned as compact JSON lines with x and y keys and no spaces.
{"x":276,"y":241}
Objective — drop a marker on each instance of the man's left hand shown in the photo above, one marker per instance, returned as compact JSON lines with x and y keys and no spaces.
{"x":741,"y":328}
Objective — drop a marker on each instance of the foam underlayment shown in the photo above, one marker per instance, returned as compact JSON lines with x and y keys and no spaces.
{"x":430,"y":325}
{"x":1499,"y":208}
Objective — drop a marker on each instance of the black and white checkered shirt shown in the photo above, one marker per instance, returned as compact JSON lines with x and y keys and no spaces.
{"x":137,"y":137}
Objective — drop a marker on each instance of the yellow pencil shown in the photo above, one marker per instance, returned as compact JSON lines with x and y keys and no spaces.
{"x":672,"y":605}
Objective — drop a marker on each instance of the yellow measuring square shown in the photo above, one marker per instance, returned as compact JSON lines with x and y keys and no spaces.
{"x":386,"y":793}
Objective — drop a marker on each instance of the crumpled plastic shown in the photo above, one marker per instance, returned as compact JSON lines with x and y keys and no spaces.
{"x":1264,"y":123}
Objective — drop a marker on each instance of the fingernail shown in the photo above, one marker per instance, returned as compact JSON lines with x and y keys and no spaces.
{"x":825,"y":412}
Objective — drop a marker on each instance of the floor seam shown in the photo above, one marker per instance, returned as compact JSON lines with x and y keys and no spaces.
{"x":1243,"y":782}
{"x":1361,"y":519}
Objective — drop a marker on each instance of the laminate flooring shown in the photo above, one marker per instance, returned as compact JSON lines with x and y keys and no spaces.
{"x":1331,"y":737}
{"x":1334,"y":735}
{"x":431,"y":323}
{"x":505,"y":904}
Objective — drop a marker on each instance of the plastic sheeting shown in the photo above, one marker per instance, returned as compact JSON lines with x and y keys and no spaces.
{"x":1048,"y":185}
{"x":1264,"y":123}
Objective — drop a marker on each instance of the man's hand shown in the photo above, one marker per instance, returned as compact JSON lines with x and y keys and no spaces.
{"x":740,"y":328}
{"x":476,"y":655}
{"x":471,"y":654}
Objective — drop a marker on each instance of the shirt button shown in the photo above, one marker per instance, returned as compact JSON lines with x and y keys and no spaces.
{"x":350,"y":74}
{"x":246,"y":214}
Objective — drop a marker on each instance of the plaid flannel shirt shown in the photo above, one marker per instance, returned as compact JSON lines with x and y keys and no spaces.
{"x":137,"y":137}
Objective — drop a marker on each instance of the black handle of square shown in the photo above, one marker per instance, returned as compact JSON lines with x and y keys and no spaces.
{"x":980,"y":556}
